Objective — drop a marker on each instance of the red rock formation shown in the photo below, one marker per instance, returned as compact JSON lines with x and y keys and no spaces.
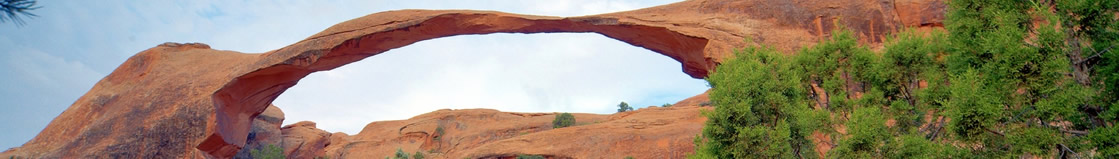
{"x":484,"y":133}
{"x":186,"y":100}
{"x":265,"y":132}
{"x":304,"y":140}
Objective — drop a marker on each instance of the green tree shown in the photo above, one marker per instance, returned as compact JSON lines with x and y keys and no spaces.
{"x":866,"y":138}
{"x":908,"y":60}
{"x":418,"y":155}
{"x":837,"y":66}
{"x":1092,"y":33}
{"x":269,"y":152}
{"x":1008,"y":79}
{"x":439,"y":132}
{"x":400,"y":154}
{"x":758,"y":113}
{"x":1015,"y":58}
{"x":563,"y":120}
{"x":623,"y":107}
{"x":12,"y":9}
{"x":524,"y":156}
{"x":1106,"y":139}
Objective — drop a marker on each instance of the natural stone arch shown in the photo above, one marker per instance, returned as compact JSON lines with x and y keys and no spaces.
{"x":248,"y":95}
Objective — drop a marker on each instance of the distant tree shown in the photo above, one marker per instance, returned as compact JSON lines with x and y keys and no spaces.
{"x":269,"y":152}
{"x":439,"y":132}
{"x":623,"y":107}
{"x":400,"y":154}
{"x":12,"y":9}
{"x":418,"y":155}
{"x":563,"y":120}
{"x":866,"y":135}
{"x":666,"y":105}
{"x":523,"y":156}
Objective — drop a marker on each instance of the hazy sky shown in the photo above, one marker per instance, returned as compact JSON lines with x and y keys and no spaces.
{"x":58,"y":56}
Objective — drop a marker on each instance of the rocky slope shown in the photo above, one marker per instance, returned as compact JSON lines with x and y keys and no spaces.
{"x":190,"y":101}
{"x":654,"y":132}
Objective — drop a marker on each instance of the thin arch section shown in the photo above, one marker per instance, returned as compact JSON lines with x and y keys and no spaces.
{"x":247,"y":95}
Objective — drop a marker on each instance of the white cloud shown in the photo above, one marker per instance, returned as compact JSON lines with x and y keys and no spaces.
{"x":34,"y":80}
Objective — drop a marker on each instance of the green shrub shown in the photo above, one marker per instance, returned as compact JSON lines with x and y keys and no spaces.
{"x":400,"y":154}
{"x":760,"y":109}
{"x":418,"y":155}
{"x":563,"y":120}
{"x":623,"y":107}
{"x":666,"y":105}
{"x":1007,"y":79}
{"x":866,"y":135}
{"x":523,"y":156}
{"x":269,"y":152}
{"x":439,"y":132}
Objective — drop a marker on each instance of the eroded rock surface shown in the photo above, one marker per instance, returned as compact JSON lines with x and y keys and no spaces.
{"x":190,"y":101}
{"x":652,"y":132}
{"x":304,"y":140}
{"x":265,"y":132}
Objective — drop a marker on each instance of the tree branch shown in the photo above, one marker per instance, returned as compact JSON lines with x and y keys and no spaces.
{"x":935,"y":129}
{"x":1108,"y":49}
{"x":1065,"y":148}
{"x":994,"y":132}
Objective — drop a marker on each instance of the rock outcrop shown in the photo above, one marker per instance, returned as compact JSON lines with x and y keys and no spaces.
{"x":265,"y":132}
{"x":653,"y":132}
{"x":304,"y":140}
{"x":187,"y":100}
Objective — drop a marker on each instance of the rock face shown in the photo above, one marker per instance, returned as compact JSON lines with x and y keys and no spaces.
{"x":304,"y":140}
{"x":484,"y":133}
{"x":265,"y":132}
{"x":187,"y":100}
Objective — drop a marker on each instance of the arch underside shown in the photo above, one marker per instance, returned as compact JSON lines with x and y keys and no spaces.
{"x":248,"y":95}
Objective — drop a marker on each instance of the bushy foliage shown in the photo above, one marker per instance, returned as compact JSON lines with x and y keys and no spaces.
{"x":865,"y":127}
{"x":832,"y":65}
{"x":269,"y":152}
{"x":1006,"y":79}
{"x":623,"y":107}
{"x":1106,"y":139}
{"x":1092,"y":37}
{"x":523,"y":156}
{"x":418,"y":155}
{"x":439,"y":132}
{"x":400,"y":154}
{"x":563,"y":120}
{"x":10,"y":10}
{"x":759,"y":112}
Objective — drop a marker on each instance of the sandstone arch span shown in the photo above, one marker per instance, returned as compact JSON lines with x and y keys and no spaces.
{"x":187,"y":100}
{"x":242,"y":97}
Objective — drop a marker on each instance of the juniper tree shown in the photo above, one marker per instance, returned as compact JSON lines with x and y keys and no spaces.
{"x":11,"y":10}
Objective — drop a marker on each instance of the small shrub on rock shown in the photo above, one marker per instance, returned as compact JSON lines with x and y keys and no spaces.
{"x":523,"y":156}
{"x":563,"y":120}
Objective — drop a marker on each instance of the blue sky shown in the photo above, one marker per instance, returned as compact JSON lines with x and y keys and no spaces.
{"x":56,"y":57}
